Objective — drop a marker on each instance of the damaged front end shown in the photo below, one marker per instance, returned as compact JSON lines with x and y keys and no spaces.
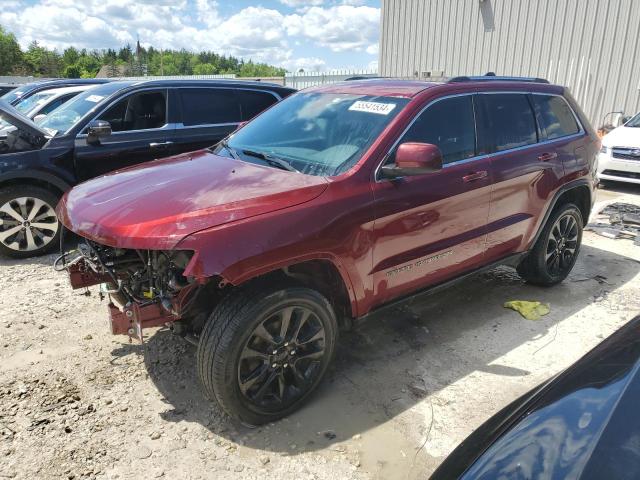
{"x":146,"y":288}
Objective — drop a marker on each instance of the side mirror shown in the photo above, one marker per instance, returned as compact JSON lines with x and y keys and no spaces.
{"x":414,"y":159}
{"x":98,"y":129}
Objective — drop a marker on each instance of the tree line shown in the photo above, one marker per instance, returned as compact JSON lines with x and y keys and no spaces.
{"x":40,"y":61}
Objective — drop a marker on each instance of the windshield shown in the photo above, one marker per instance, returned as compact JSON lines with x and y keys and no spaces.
{"x":29,"y":103}
{"x":63,"y":118}
{"x":634,"y":122}
{"x":12,"y":95}
{"x":315,"y":133}
{"x":26,"y":105}
{"x":66,"y":116}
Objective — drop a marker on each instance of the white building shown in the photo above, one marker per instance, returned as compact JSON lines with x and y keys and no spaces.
{"x":591,"y":46}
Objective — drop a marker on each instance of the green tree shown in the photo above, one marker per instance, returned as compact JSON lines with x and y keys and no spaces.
{"x":72,"y":71}
{"x":204,"y":69}
{"x":40,"y":61}
{"x":70,"y":56}
{"x":10,"y":53}
{"x":125,"y":54}
{"x":89,"y":64}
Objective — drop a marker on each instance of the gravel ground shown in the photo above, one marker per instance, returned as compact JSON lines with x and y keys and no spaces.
{"x":406,"y":387}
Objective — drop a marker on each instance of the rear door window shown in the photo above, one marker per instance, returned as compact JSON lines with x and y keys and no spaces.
{"x":253,"y":102}
{"x":449,"y":124}
{"x":208,"y":106}
{"x":555,"y":117}
{"x":508,"y":121}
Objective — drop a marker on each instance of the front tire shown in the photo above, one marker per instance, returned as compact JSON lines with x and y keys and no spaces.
{"x":264,"y":350}
{"x":28,"y":223}
{"x":554,"y":254}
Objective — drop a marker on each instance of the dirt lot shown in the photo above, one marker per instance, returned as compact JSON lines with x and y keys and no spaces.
{"x":406,"y":388}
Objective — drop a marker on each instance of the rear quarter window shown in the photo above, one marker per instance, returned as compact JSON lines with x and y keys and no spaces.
{"x":206,"y":106}
{"x":555,"y":116}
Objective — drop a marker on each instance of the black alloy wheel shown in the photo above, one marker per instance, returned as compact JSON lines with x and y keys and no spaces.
{"x":562,"y":245}
{"x":281,"y":357}
{"x":265,"y":349}
{"x":555,"y":252}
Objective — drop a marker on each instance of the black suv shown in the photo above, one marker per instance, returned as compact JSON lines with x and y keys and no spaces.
{"x":105,"y":128}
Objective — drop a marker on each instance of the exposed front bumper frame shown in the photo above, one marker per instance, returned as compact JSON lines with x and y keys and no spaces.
{"x":133,"y":318}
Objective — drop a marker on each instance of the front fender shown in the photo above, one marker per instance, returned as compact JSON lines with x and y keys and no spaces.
{"x":256,"y":246}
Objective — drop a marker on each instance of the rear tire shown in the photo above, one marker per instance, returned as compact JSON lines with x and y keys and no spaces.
{"x":265,"y":349}
{"x":28,"y":224}
{"x":556,"y":250}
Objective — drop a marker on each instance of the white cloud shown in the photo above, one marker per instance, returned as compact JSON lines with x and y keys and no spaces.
{"x":258,"y":33}
{"x":339,"y":28}
{"x":59,"y":26}
{"x":301,"y":3}
{"x":372,"y":49}
{"x":207,"y":12}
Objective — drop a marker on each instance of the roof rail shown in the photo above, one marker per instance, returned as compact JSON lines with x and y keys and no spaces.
{"x":492,"y":77}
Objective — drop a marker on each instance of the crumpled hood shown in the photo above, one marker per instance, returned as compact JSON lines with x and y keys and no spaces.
{"x":154,"y":206}
{"x":622,"y":137}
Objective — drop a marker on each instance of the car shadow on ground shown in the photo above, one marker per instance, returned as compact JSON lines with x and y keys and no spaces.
{"x":425,"y":341}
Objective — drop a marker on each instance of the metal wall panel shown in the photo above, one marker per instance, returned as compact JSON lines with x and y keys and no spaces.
{"x":591,"y":46}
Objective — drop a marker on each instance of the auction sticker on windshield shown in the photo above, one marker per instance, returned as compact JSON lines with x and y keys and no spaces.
{"x":94,"y":98}
{"x":372,"y":107}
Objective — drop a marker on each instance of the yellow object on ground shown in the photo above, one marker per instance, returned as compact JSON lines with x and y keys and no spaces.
{"x":529,"y":310}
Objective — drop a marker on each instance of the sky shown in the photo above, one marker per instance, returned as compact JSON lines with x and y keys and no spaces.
{"x":310,"y":34}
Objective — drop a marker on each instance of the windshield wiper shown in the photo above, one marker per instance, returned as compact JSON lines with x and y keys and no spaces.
{"x":233,"y":153}
{"x":273,"y":161}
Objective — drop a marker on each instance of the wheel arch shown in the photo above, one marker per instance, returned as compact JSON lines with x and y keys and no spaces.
{"x":321,"y":274}
{"x":49,"y":181}
{"x":578,"y":192}
{"x":580,"y":195}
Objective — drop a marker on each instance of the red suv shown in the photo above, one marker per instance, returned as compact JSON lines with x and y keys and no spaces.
{"x":329,"y":205}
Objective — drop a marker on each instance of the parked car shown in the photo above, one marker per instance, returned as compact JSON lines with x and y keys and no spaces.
{"x":6,"y":87}
{"x":44,"y":102}
{"x":333,"y":203}
{"x":108,"y":127}
{"x":581,"y":424}
{"x":619,"y":157}
{"x":21,"y":92}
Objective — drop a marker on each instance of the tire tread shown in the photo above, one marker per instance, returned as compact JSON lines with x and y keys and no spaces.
{"x":531,"y":268}
{"x":216,"y":341}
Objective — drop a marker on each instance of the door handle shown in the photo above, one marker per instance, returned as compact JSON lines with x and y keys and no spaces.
{"x":545,"y":157}
{"x":160,"y":144}
{"x":475,"y":176}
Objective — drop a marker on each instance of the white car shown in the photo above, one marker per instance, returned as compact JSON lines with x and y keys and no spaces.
{"x":619,"y":158}
{"x":46,"y":101}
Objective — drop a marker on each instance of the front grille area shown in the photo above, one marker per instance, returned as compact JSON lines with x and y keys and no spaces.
{"x":619,"y":173}
{"x":625,"y":153}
